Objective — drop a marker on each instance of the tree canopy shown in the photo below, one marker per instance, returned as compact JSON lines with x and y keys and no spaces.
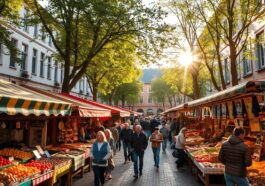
{"x":80,"y":30}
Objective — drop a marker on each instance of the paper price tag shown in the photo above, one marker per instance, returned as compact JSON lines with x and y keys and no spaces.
{"x":40,"y":149}
{"x":37,"y":154}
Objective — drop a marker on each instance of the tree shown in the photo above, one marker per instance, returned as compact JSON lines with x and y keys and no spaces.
{"x":128,"y":93}
{"x":232,"y":21}
{"x":186,"y":33}
{"x":9,"y":13}
{"x":160,"y":91}
{"x":80,"y":30}
{"x":117,"y":61}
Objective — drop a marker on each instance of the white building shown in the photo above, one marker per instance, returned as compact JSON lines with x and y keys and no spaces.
{"x":38,"y":68}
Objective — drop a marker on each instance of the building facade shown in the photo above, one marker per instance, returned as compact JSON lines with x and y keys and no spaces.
{"x":146,"y":103}
{"x":38,"y":67}
{"x":251,"y":61}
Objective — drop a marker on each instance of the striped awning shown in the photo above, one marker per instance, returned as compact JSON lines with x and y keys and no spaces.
{"x":114,"y":110}
{"x":15,"y":99}
{"x":78,"y":107}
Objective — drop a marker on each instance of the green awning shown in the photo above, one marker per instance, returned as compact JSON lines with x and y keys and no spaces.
{"x":16,"y":99}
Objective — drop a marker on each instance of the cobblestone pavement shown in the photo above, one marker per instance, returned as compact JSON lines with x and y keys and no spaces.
{"x":167,"y":175}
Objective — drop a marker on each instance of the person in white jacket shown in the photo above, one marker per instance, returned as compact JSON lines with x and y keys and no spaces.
{"x":180,"y":144}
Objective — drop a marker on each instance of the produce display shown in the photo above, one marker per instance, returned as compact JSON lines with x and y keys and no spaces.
{"x":4,"y":162}
{"x":256,"y":173}
{"x":7,"y":178}
{"x":41,"y":165}
{"x":21,"y":172}
{"x":54,"y":161}
{"x":18,"y":154}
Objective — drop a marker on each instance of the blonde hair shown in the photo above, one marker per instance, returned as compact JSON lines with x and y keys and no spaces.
{"x":184,"y":129}
{"x":110,"y":134}
{"x":103,"y":134}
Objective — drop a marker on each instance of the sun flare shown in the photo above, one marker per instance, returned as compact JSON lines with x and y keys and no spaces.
{"x":185,"y":58}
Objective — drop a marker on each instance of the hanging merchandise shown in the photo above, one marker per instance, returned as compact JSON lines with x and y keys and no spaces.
{"x":230,"y":109}
{"x":255,"y":106}
{"x":244,"y":111}
{"x":248,"y":106}
{"x":234,"y":109}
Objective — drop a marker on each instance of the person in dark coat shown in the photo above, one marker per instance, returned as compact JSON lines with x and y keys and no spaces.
{"x":138,"y":146}
{"x":236,"y":157}
{"x":126,"y":135}
{"x":153,"y":124}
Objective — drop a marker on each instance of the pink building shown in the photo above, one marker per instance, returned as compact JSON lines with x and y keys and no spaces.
{"x":146,"y":104}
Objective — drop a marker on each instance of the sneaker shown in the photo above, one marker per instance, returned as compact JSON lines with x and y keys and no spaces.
{"x":135,"y":176}
{"x":164,"y":152}
{"x":157,"y":166}
{"x":141,"y":173}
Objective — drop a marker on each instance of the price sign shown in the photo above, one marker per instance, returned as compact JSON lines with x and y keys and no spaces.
{"x":37,"y":154}
{"x":47,"y":154}
{"x":40,"y":149}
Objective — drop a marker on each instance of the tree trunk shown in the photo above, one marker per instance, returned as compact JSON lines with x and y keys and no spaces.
{"x":196,"y":90}
{"x":95,"y":93}
{"x":110,"y":100}
{"x":233,"y":66}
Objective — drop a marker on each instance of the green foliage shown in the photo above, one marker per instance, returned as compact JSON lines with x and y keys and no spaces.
{"x":86,"y":28}
{"x":9,"y":13}
{"x":128,"y":92}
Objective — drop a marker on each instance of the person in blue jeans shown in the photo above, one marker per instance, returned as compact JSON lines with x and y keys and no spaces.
{"x":100,"y":153}
{"x":138,"y":146}
{"x":165,"y":132}
{"x":156,"y":139}
{"x":126,"y":134}
{"x":236,"y":157}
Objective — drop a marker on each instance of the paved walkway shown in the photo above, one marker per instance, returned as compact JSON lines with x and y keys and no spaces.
{"x":167,"y":175}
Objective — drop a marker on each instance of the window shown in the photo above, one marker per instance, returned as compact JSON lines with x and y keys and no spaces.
{"x":12,"y":62}
{"x":141,"y":99}
{"x":226,"y":69}
{"x":50,"y":41}
{"x":42,"y":60}
{"x":25,"y":20}
{"x":24,"y":56}
{"x":260,"y":51}
{"x":62,"y":72}
{"x":150,"y":99}
{"x":43,"y":35}
{"x":1,"y":53}
{"x":49,"y":68}
{"x":35,"y":33}
{"x":56,"y":72}
{"x":34,"y":61}
{"x":247,"y":69}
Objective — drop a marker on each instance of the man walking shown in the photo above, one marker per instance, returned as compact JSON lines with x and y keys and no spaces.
{"x":138,"y":145}
{"x":235,"y":155}
{"x":126,"y":135}
{"x":165,"y":132}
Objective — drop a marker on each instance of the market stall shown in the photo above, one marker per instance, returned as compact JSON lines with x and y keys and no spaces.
{"x":83,"y":117}
{"x":216,"y":116}
{"x":24,"y":119}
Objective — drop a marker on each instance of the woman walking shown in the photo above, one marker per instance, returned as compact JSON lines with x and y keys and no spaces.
{"x":111,"y":165}
{"x":156,"y":139}
{"x":100,"y":153}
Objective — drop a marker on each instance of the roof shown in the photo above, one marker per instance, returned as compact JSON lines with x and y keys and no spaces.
{"x":15,"y":99}
{"x":114,"y":110}
{"x":150,"y":74}
{"x":244,"y":89}
{"x":83,"y":109}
